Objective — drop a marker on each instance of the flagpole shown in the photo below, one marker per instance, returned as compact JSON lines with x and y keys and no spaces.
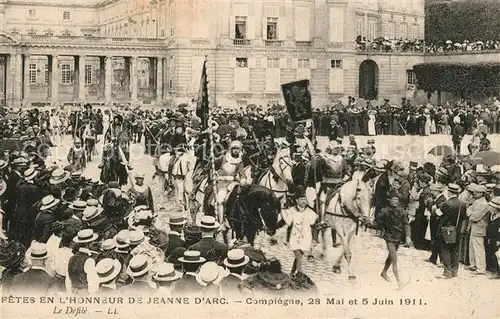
{"x":211,"y":150}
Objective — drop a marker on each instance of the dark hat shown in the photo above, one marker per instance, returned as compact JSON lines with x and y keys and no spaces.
{"x":426,"y":178}
{"x":300,"y":191}
{"x":119,"y":117}
{"x":69,"y":194}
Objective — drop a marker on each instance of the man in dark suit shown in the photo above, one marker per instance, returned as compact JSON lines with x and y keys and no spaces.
{"x":209,"y":248}
{"x":187,"y":285}
{"x":235,"y":262}
{"x":176,"y":223}
{"x":451,"y":213}
{"x":15,"y":176}
{"x":138,"y":269}
{"x":381,"y":187}
{"x":36,"y":280}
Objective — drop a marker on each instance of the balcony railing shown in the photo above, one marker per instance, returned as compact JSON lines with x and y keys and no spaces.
{"x":273,"y":43}
{"x":64,"y":39}
{"x":241,"y":42}
{"x":303,"y":43}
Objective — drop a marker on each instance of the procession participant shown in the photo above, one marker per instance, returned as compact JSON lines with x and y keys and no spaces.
{"x":81,"y":266}
{"x":300,"y":217}
{"x":451,"y":213}
{"x":141,"y":192}
{"x":230,"y":169}
{"x":107,"y":273}
{"x":176,"y":223}
{"x":235,"y":262}
{"x":76,"y":156}
{"x":479,"y":215}
{"x":187,"y":285}
{"x":165,"y":277}
{"x":35,"y":280}
{"x":139,"y":270}
{"x":394,"y":223}
{"x":89,"y":139}
{"x":209,"y":248}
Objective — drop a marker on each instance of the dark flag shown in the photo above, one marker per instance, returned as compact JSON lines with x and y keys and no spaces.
{"x":298,"y":100}
{"x":202,"y":105}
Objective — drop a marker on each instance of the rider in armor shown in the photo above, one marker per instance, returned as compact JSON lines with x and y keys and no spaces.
{"x":76,"y":156}
{"x":231,"y":170}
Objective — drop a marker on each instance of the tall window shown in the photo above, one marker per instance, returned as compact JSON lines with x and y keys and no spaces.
{"x":336,"y":64}
{"x":410,"y":77}
{"x":46,"y":73}
{"x":66,"y":15}
{"x":272,"y":28}
{"x":32,"y":73}
{"x":336,"y":84}
{"x":403,"y":31}
{"x":360,"y":30}
{"x":240,"y":28}
{"x":273,"y":63}
{"x":65,"y":74}
{"x":372,"y":29}
{"x":88,"y":74}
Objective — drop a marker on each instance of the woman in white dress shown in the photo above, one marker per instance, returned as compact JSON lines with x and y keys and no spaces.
{"x":371,"y":124}
{"x":427,"y":127}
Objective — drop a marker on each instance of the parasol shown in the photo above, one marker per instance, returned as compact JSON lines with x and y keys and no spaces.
{"x":441,"y":150}
{"x":489,"y":158}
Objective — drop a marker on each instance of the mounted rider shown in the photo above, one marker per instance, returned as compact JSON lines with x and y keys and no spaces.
{"x":230,"y":170}
{"x":118,"y":132}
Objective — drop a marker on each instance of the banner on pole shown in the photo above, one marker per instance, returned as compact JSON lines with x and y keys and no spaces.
{"x":202,"y":105}
{"x":298,"y":100}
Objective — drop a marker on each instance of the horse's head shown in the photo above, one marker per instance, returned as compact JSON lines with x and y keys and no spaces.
{"x":356,"y":196}
{"x":283,"y":165}
{"x":270,"y":212}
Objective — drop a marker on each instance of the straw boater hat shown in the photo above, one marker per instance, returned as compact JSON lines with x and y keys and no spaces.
{"x":108,"y":269}
{"x":92,"y":202}
{"x":208,"y":222}
{"x":236,"y":258}
{"x":176,"y":219}
{"x":85,"y":236}
{"x":437,"y":187}
{"x":135,"y":237}
{"x":138,"y":266}
{"x":209,"y":273}
{"x":91,"y":212}
{"x":122,"y":241}
{"x":475,"y":188}
{"x":166,"y":273}
{"x":30,"y":173}
{"x":38,"y":251}
{"x":79,"y":205}
{"x":3,"y":187}
{"x":59,"y":176}
{"x":454,"y":188}
{"x":49,"y":202}
{"x":495,"y":202}
{"x":108,"y":244}
{"x":192,"y":257}
{"x":3,"y":164}
{"x":20,"y":161}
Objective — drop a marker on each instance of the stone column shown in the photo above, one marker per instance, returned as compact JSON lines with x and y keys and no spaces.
{"x":133,"y":78}
{"x":76,"y":77}
{"x":54,"y":83}
{"x":159,"y":79}
{"x":126,"y":77}
{"x":26,"y":80}
{"x":152,"y":77}
{"x":108,"y":98}
{"x":18,"y":79}
{"x":102,"y":78}
{"x":81,"y":78}
{"x":9,"y":78}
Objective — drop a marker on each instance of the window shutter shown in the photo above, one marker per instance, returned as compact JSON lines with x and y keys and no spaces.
{"x":252,"y":63}
{"x":282,"y":63}
{"x":250,"y":27}
{"x":345,"y":64}
{"x":263,"y":63}
{"x":295,"y":63}
{"x":232,"y":26}
{"x":232,"y":62}
{"x":313,"y":65}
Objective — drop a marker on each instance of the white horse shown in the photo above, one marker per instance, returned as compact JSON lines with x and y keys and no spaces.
{"x":182,"y":166}
{"x":349,"y":207}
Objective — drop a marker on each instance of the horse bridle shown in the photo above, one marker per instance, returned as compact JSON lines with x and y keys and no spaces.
{"x":281,"y":160}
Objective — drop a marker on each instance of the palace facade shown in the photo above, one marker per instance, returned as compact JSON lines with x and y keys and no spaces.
{"x":152,"y":51}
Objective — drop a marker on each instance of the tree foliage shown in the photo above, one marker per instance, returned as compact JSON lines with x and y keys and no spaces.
{"x":471,"y":20}
{"x":460,"y":78}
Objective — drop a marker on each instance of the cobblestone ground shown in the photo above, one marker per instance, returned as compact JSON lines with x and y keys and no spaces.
{"x":467,"y":296}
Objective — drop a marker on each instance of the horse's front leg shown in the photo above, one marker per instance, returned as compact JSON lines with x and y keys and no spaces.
{"x":348,"y":251}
